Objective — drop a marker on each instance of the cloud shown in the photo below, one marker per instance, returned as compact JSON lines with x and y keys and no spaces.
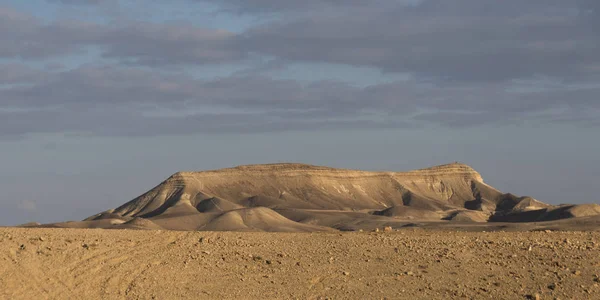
{"x":471,"y":63}
{"x":79,"y":2}
{"x":466,"y":40}
{"x":151,"y":44}
{"x":312,"y":6}
{"x":14,"y":73}
{"x":462,"y":40}
{"x":110,"y":100}
{"x":130,"y":42}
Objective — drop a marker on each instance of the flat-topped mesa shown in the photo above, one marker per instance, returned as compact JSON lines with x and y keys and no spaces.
{"x":453,"y":169}
{"x":301,"y":186}
{"x":282,"y":167}
{"x":301,"y":197}
{"x":297,"y":169}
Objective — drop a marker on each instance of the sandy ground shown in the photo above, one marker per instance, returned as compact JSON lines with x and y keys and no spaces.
{"x":408,"y":264}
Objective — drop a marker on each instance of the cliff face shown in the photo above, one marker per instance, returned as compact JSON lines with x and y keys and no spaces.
{"x":298,"y":197}
{"x":309,"y":187}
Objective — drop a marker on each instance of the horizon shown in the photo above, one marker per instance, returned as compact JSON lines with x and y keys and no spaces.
{"x":101,"y":100}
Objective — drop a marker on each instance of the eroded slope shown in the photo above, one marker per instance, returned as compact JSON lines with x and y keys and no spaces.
{"x":298,"y":197}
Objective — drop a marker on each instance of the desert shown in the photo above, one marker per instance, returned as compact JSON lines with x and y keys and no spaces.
{"x":292,"y":197}
{"x":299,"y":149}
{"x":295,"y":231}
{"x":414,"y":263}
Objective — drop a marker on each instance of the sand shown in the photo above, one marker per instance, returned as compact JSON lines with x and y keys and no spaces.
{"x":408,"y":264}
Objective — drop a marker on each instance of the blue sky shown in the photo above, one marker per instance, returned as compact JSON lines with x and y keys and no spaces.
{"x":100,"y":100}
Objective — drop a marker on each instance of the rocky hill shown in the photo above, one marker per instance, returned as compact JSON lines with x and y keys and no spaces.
{"x":299,"y":197}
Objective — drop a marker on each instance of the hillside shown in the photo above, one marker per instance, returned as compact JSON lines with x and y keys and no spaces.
{"x":298,"y":197}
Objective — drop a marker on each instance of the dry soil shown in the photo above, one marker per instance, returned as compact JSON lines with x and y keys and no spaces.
{"x":408,"y":264}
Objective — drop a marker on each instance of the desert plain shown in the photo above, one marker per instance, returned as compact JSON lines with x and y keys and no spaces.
{"x":413,"y":263}
{"x":294,"y":231}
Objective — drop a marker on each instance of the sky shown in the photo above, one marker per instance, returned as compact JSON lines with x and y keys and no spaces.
{"x":101,"y":100}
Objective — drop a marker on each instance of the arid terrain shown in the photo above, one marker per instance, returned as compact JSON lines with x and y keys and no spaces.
{"x":407,"y":264}
{"x":304,"y":198}
{"x":292,"y":231}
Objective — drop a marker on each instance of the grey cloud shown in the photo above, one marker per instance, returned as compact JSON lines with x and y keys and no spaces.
{"x":116,"y":123}
{"x":116,"y":101}
{"x":466,"y":40}
{"x":137,"y":89}
{"x":457,"y":119}
{"x":135,"y":43}
{"x":462,"y":40}
{"x":312,"y":6}
{"x":14,"y":73}
{"x":95,"y":86}
{"x":79,"y":2}
{"x":25,"y":35}
{"x":151,"y":44}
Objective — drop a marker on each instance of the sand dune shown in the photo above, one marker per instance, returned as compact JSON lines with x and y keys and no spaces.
{"x":298,"y":197}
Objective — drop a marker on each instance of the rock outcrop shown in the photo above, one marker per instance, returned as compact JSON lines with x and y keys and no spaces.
{"x":299,"y":197}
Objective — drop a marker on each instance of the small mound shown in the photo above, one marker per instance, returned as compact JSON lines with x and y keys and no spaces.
{"x":468,"y":216}
{"x":258,"y":219}
{"x":571,"y":211}
{"x":216,"y":205}
{"x":107,"y":216}
{"x":410,"y":213}
{"x":584,"y":210}
{"x":139,"y":223}
{"x":529,"y":204}
{"x":549,"y":214}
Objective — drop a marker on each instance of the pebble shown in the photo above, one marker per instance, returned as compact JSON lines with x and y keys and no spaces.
{"x":535,"y":296}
